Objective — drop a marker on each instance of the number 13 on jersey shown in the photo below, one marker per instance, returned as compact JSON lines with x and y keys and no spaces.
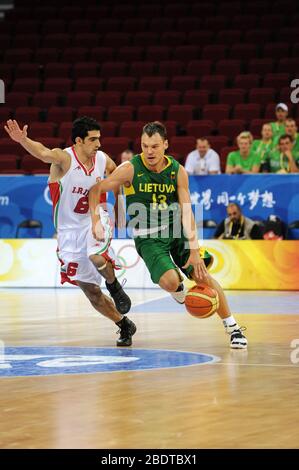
{"x":159,"y":202}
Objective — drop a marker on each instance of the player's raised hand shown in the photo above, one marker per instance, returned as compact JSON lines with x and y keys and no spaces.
{"x":15,"y":133}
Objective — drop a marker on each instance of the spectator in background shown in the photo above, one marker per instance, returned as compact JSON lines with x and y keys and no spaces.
{"x":237,"y":227}
{"x":282,"y":159}
{"x":203,"y":160}
{"x":278,"y":127}
{"x":291,"y":130}
{"x":264,"y":145}
{"x":126,"y":155}
{"x":243,"y":160}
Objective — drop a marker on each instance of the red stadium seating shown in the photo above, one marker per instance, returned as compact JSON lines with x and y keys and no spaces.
{"x":85,"y":69}
{"x":108,"y":129}
{"x":130,"y":53}
{"x":216,"y":112}
{"x":119,"y":114}
{"x":167,"y":97}
{"x":231,"y":96}
{"x":96,"y":112}
{"x":200,"y":128}
{"x":59,"y":85}
{"x":113,"y":69}
{"x":183,"y":82}
{"x":182,"y":113}
{"x":131,"y":129}
{"x":141,"y":69}
{"x":121,"y":84}
{"x":114,"y":145}
{"x":186,"y":53}
{"x":231,"y":127}
{"x":150,"y":113}
{"x":108,"y":98}
{"x":213,"y":83}
{"x":44,"y":129}
{"x":247,"y":111}
{"x":137,"y":98}
{"x":196,"y":97}
{"x":181,"y":146}
{"x":261,"y":95}
{"x":92,"y":84}
{"x":168,"y":68}
{"x":17,"y":98}
{"x":199,"y":67}
{"x":153,"y":84}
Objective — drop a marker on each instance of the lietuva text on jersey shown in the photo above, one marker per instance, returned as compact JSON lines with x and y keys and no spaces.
{"x":152,"y":199}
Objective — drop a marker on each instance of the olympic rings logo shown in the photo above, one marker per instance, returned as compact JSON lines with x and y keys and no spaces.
{"x":123,"y":258}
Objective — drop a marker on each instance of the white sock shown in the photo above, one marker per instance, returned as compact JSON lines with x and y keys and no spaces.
{"x":230,"y":321}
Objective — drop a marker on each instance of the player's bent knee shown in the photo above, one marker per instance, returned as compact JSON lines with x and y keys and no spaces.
{"x":169,"y":281}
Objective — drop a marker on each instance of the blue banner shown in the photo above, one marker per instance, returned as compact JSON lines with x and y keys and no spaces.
{"x":258,"y":195}
{"x":27,"y":197}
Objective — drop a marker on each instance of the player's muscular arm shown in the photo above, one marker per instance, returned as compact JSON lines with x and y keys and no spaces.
{"x":189,"y":225}
{"x":120,"y":216}
{"x":110,"y":165}
{"x":123,"y":174}
{"x":38,"y":150}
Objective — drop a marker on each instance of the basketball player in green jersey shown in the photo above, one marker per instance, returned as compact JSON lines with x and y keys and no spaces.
{"x":156,"y":188}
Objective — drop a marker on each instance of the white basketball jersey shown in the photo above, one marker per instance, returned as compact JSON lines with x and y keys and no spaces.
{"x":70,"y":194}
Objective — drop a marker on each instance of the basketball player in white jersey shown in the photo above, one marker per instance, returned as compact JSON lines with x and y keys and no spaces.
{"x":84,"y":260}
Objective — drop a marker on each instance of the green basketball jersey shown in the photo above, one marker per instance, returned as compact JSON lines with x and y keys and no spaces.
{"x":152,"y":199}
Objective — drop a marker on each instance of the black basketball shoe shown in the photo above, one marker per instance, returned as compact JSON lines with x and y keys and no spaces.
{"x":121,"y":299}
{"x":237,"y":339}
{"x":126,"y":329}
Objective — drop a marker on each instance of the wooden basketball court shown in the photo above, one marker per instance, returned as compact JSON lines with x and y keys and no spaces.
{"x":248,"y":399}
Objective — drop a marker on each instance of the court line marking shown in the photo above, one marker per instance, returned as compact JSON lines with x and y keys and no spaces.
{"x":215,"y":360}
{"x":255,"y":364}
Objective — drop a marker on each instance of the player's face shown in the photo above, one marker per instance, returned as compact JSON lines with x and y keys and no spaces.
{"x":153,"y":148}
{"x":267,"y":132}
{"x":290,"y":127}
{"x":91,"y":143}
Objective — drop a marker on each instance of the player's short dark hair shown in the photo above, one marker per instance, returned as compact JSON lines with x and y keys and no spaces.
{"x":285,"y":136}
{"x":155,"y":127}
{"x":82,"y":125}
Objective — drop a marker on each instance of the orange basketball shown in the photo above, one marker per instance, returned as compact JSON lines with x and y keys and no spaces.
{"x":202,"y":301}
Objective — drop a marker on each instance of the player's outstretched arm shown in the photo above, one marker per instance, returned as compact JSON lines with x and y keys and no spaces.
{"x":36,"y":149}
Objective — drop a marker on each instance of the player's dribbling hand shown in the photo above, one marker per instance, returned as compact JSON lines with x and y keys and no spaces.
{"x":200,"y":270}
{"x":98,"y":230}
{"x":14,"y":131}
